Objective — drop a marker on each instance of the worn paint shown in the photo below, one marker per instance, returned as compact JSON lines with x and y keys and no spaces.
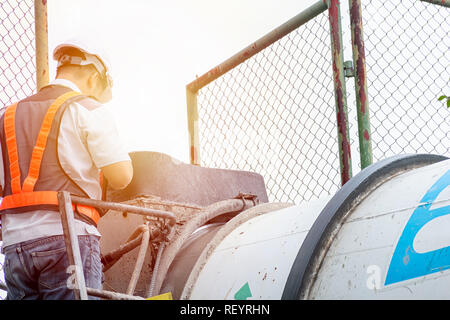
{"x":445,"y":3}
{"x":192,"y":117}
{"x":358,"y":49}
{"x":339,"y":90}
{"x":193,"y":155}
{"x":248,"y":53}
{"x":365,"y":142}
{"x":366,"y":135}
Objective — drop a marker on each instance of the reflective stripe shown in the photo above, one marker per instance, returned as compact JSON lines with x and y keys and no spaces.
{"x":89,"y":212}
{"x":41,"y":142}
{"x":11,"y":143}
{"x":25,"y":199}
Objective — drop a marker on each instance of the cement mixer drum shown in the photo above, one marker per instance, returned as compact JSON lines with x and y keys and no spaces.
{"x":383,"y":235}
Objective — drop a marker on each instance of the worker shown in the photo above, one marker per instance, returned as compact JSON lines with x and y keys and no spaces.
{"x":60,"y":139}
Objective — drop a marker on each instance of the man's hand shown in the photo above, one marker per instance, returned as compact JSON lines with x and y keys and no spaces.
{"x":118,"y":174}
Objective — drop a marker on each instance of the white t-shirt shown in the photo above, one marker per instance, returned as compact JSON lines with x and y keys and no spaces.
{"x":88,"y":140}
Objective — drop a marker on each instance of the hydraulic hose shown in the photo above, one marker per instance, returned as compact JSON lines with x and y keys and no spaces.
{"x":140,"y":260}
{"x":210,"y":212}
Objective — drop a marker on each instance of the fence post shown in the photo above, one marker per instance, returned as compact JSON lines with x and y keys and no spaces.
{"x":41,"y":35}
{"x":192,"y":116}
{"x":444,"y":3}
{"x":345,"y":160}
{"x":362,"y":103}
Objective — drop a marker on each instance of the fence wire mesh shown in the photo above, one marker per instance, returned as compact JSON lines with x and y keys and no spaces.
{"x":407,"y":45}
{"x":275,"y":115}
{"x":17,"y":61}
{"x":17,"y":51}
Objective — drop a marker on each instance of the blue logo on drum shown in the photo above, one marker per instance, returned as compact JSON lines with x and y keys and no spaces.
{"x":406,"y":263}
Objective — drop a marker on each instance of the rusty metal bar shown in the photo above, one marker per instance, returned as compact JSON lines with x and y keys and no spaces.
{"x":3,"y":286}
{"x":139,"y":261}
{"x":334,"y":16}
{"x":362,"y":102}
{"x":444,"y":3}
{"x":192,"y":116}
{"x":72,"y":246}
{"x":41,"y":42}
{"x":126,"y":208}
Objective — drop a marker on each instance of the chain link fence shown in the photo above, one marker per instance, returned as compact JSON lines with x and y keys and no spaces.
{"x":17,"y":51}
{"x":408,"y":62}
{"x":274,"y":114}
{"x":17,"y":61}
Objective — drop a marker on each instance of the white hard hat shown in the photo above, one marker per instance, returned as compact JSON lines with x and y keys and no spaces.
{"x":93,"y":54}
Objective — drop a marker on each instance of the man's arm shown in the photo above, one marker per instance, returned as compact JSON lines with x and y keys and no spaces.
{"x":118,"y":174}
{"x":108,"y":153}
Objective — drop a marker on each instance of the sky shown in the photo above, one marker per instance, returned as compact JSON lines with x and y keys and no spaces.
{"x":157,"y":47}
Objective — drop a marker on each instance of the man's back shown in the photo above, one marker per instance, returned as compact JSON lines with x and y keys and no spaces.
{"x":57,"y":140}
{"x":82,"y":140}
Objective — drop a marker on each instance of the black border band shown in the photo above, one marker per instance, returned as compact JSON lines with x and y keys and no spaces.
{"x":339,"y":204}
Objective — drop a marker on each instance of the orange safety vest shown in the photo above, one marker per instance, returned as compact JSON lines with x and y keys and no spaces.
{"x":25,"y":196}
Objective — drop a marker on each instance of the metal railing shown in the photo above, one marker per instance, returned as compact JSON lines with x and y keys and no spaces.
{"x":271,"y":108}
{"x":247,"y":116}
{"x":81,"y":292}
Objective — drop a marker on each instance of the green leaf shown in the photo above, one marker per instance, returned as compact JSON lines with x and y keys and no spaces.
{"x":448,"y":103}
{"x":442,"y":98}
